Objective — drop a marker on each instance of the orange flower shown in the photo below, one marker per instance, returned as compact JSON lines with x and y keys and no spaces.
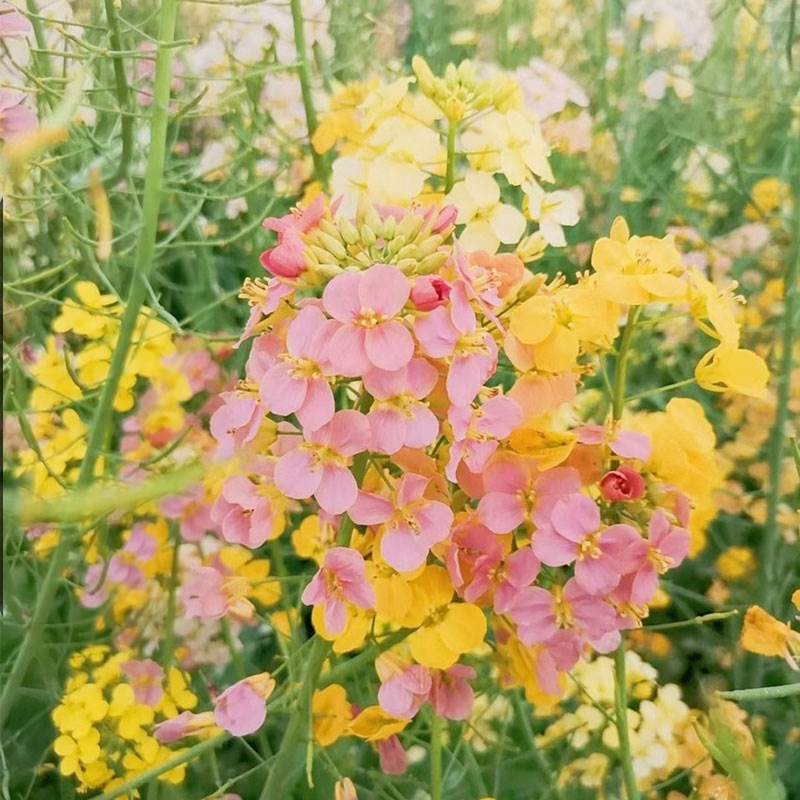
{"x":766,"y":636}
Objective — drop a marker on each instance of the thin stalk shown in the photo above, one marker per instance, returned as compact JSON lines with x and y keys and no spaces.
{"x":763,"y":692}
{"x":168,"y":644}
{"x":778,"y":435}
{"x":123,"y":92}
{"x":184,"y":757}
{"x":436,"y":756}
{"x":283,"y":772}
{"x":304,"y":74}
{"x":701,"y":620}
{"x":620,"y":681}
{"x":102,"y":416}
{"x":523,"y":717}
{"x":621,"y":720}
{"x":450,"y":171}
{"x":620,"y":374}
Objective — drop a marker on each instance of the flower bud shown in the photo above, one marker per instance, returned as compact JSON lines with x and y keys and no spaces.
{"x":429,"y":292}
{"x":621,"y":485}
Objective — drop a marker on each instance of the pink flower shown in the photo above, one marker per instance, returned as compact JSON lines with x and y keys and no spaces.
{"x":95,"y":592}
{"x":16,"y":119}
{"x":244,"y":514}
{"x":264,"y":299}
{"x":469,"y":542}
{"x":296,"y":383}
{"x":398,"y":417}
{"x":192,"y":512}
{"x":626,"y":444}
{"x":404,"y":689}
{"x":553,"y":658}
{"x":575,"y":533}
{"x":287,"y":258}
{"x":241,"y":709}
{"x":12,"y":23}
{"x":476,"y":432}
{"x":622,"y":484}
{"x":366,"y":304}
{"x":412,"y":523}
{"x":452,"y":332}
{"x":506,"y":576}
{"x":236,"y":423}
{"x":208,"y":594}
{"x":319,"y":466}
{"x":541,"y":615}
{"x":146,"y":678}
{"x":666,"y":549}
{"x":451,"y":695}
{"x":515,"y":489}
{"x":341,"y":579}
{"x":185,"y":724}
{"x":429,"y":292}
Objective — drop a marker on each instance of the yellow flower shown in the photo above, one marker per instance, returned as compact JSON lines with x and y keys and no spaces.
{"x":359,"y":622}
{"x":74,"y":752}
{"x":635,"y":270}
{"x":79,"y":710}
{"x":488,"y":221}
{"x":766,"y":636}
{"x":313,"y":538}
{"x":92,"y":318}
{"x":331,"y":713}
{"x":374,"y":724}
{"x":54,"y":384}
{"x":129,"y":714}
{"x":736,"y":563}
{"x":177,"y":696}
{"x":240,"y":563}
{"x":767,"y":196}
{"x":728,"y":368}
{"x":446,"y":629}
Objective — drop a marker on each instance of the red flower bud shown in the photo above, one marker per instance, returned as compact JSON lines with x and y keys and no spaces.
{"x":622,"y":484}
{"x":429,"y":292}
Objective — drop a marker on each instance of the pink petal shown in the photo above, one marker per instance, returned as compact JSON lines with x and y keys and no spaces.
{"x":522,"y":567}
{"x":346,"y":353}
{"x":349,"y":432}
{"x":389,"y":429}
{"x":500,"y":512}
{"x":422,"y":377}
{"x":403,"y":551}
{"x":370,"y":509}
{"x":303,"y":329}
{"x":340,"y":298}
{"x":436,"y":333}
{"x":318,"y":406}
{"x":337,"y":489}
{"x":411,"y":487}
{"x":297,"y":474}
{"x":423,"y":428}
{"x":632,"y":445}
{"x":389,"y":346}
{"x":553,"y":549}
{"x":383,"y":289}
{"x":575,"y":516}
{"x":282,"y":393}
{"x":465,"y":378}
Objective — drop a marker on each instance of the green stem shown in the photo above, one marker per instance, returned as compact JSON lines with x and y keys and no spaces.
{"x":436,"y":756}
{"x":763,"y":692}
{"x":102,"y":416}
{"x":777,"y":442}
{"x":449,"y":177}
{"x":168,"y":644}
{"x":621,"y":720}
{"x":620,"y":681}
{"x":701,"y":620}
{"x":123,"y":93}
{"x":304,"y":74}
{"x":620,"y":374}
{"x":523,"y":716}
{"x":283,"y":772}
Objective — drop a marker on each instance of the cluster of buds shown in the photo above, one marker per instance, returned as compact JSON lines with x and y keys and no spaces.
{"x":413,"y":240}
{"x":459,"y":92}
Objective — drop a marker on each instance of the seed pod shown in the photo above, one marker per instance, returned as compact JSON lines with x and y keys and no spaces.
{"x":432,"y":263}
{"x":348,"y":231}
{"x":368,"y":236}
{"x":429,"y":245}
{"x":332,"y":245}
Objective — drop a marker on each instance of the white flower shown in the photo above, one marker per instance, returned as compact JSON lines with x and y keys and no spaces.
{"x":551,"y":210}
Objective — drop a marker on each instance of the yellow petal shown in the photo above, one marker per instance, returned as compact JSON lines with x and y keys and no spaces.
{"x":533,"y":321}
{"x":463,"y":627}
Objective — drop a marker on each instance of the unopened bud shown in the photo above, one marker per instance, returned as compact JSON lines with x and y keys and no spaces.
{"x":532,"y":247}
